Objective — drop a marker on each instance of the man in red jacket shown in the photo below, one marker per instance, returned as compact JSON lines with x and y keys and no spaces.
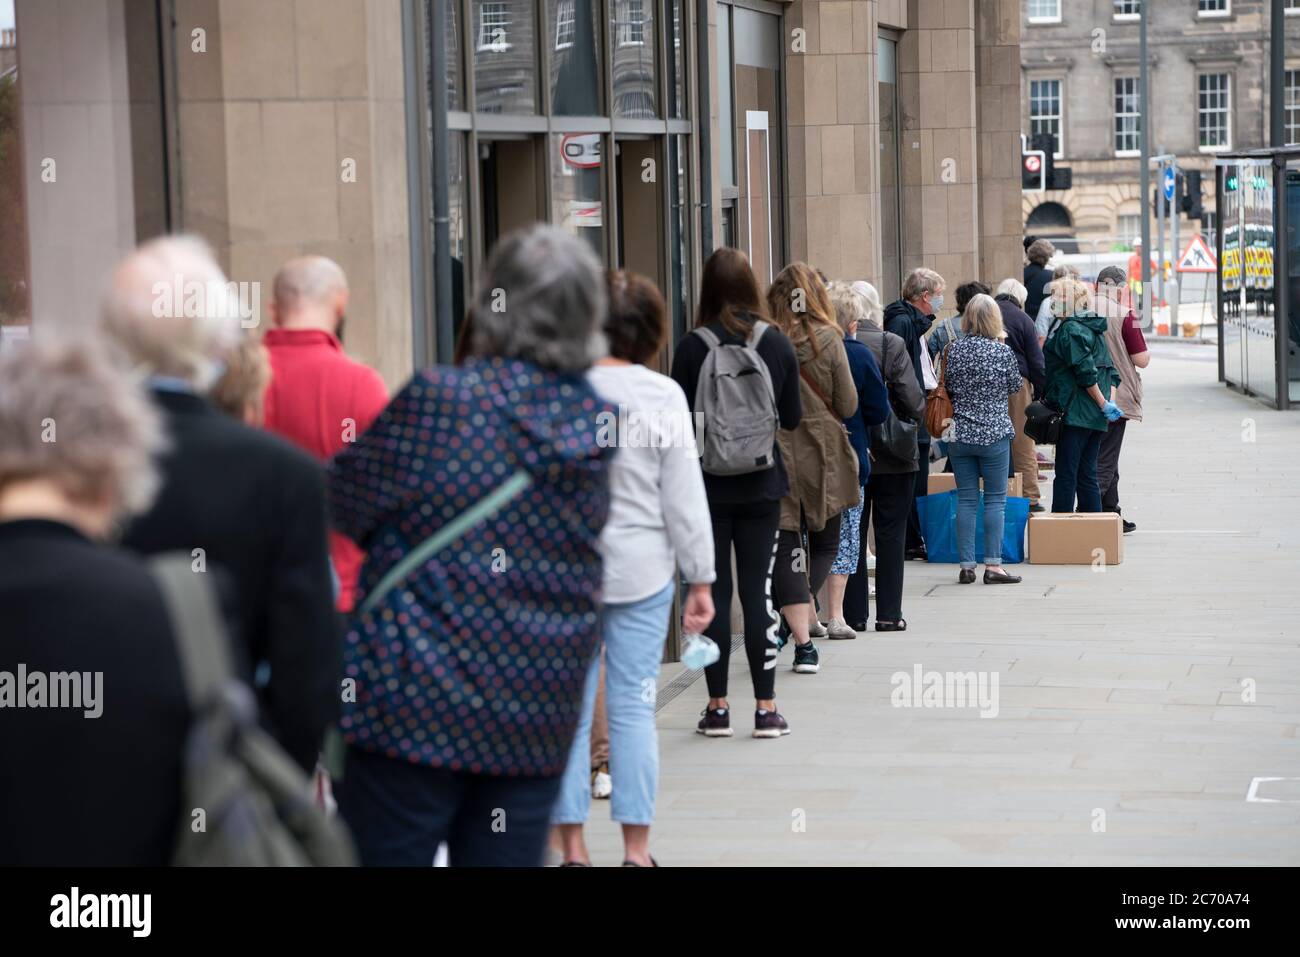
{"x":319,"y":398}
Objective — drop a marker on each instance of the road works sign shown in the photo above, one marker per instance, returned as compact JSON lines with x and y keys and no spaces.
{"x":1197,"y":257}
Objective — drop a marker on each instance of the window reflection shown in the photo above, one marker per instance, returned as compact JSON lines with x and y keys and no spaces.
{"x":577,"y":186}
{"x":505,"y":56}
{"x":573,"y":27}
{"x":635,"y":79}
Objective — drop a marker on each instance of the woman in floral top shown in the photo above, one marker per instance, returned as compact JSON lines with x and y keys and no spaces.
{"x":980,"y":373}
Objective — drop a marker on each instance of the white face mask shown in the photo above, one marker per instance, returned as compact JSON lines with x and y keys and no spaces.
{"x":936,"y":302}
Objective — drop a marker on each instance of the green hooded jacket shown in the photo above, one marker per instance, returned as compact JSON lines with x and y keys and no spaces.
{"x":1077,"y":357}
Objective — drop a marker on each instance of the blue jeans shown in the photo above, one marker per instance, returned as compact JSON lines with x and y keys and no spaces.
{"x":970,"y":463}
{"x":1076,"y":470}
{"x":633,"y":638}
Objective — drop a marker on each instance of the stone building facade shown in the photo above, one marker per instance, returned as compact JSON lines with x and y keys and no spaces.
{"x":1208,"y":77}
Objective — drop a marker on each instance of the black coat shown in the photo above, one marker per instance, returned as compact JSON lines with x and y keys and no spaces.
{"x":909,"y":323}
{"x":1036,"y":279}
{"x":75,"y":790}
{"x":256,"y":505}
{"x":1022,"y":337}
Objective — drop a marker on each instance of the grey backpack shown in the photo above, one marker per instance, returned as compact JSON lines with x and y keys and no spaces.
{"x":256,"y":804}
{"x":735,"y":406}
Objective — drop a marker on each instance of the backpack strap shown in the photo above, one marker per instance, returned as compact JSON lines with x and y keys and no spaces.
{"x":483,"y":509}
{"x":756,"y":333}
{"x":196,"y":626}
{"x":709,"y":336}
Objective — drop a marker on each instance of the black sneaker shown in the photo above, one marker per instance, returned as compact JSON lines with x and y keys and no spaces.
{"x":806,"y":661}
{"x":1036,"y":507}
{"x":716,"y":723}
{"x":917,"y":554}
{"x":769,"y":724}
{"x":1128,"y":526}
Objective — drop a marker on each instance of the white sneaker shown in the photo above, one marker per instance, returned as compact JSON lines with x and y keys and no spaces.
{"x":838,"y":628}
{"x":602,"y":785}
{"x":816,"y":629}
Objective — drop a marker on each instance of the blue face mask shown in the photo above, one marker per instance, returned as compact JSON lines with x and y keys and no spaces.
{"x":936,"y":303}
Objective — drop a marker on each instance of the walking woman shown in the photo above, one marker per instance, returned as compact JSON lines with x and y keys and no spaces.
{"x":1129,"y":352}
{"x":822,"y":464}
{"x":745,"y":508}
{"x":468,"y":675}
{"x":890,"y":488}
{"x":1080,"y":376}
{"x":873,"y":409}
{"x":981,"y":374}
{"x":658,"y":519}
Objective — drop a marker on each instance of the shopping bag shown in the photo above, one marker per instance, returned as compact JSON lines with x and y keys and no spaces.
{"x":938,"y":517}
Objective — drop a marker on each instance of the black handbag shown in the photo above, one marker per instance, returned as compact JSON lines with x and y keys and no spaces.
{"x":893,"y":438}
{"x":1043,"y":424}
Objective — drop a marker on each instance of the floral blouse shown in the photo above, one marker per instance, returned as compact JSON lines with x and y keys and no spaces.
{"x":980,"y":374}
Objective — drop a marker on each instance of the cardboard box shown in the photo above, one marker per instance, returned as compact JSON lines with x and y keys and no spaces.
{"x":937,"y":482}
{"x":1081,"y":538}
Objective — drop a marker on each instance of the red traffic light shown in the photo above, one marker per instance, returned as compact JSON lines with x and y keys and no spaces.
{"x":1033,"y":163}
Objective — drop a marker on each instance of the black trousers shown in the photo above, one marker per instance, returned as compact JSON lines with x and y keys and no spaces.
{"x":1108,"y":465}
{"x":920,"y":488}
{"x":400,"y":812}
{"x":752,"y":528}
{"x":887,"y":501}
{"x":799,"y":575}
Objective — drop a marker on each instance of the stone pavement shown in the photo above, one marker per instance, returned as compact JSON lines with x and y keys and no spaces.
{"x":1122,"y":736}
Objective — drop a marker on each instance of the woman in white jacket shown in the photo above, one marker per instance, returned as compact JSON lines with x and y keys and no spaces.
{"x":658,"y":521}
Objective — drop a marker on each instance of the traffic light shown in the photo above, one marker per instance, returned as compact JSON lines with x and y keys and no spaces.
{"x":1190,"y":202}
{"x":1054,"y":177}
{"x":1032,"y":177}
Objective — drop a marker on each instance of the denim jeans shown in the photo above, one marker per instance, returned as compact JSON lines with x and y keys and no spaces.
{"x":970,"y":463}
{"x":400,"y":812}
{"x":1076,"y":470}
{"x":633,"y":635}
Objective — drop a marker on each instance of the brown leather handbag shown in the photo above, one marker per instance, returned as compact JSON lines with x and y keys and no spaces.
{"x":938,"y":406}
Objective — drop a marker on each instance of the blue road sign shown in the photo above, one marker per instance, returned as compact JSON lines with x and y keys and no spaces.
{"x":1170,"y":183}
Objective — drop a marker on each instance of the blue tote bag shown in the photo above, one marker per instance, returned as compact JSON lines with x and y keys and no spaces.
{"x":938,"y":515}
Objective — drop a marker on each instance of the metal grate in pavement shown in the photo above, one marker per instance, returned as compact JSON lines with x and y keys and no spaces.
{"x":688,"y":677}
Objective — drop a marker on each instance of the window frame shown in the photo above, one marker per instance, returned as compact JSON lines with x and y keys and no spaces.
{"x":561,"y":22}
{"x":1059,"y":115}
{"x":1118,"y":17}
{"x":504,"y":9}
{"x":1291,"y":105}
{"x":1203,"y":14}
{"x":1116,"y":115}
{"x":1226,"y":111}
{"x":1041,"y":19}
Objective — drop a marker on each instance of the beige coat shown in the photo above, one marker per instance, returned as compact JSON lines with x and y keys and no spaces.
{"x":822,"y":466}
{"x":1128,"y":394}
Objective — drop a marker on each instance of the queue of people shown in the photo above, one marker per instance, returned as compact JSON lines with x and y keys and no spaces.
{"x":437,"y":581}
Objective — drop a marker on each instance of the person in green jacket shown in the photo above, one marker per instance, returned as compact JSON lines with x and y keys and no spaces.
{"x":1080,"y":376}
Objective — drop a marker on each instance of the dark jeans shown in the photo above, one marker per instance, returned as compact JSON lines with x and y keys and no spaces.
{"x":752,"y":528}
{"x":1108,"y":466}
{"x":400,"y":812}
{"x":887,"y":502}
{"x":920,"y":488}
{"x":798,"y":578}
{"x":1076,"y":470}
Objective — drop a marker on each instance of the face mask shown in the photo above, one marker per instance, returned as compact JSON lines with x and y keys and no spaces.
{"x":936,"y":303}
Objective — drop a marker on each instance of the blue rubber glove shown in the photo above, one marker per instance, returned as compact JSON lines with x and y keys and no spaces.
{"x":1112,"y":412}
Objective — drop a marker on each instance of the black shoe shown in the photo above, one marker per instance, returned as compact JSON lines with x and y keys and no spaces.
{"x":769,"y":724}
{"x":716,"y":723}
{"x":900,"y":625}
{"x":1036,"y":507}
{"x":1000,"y":578}
{"x":966,"y":576}
{"x":782,"y":632}
{"x":858,"y":625}
{"x":806,"y":661}
{"x":653,"y":863}
{"x":917,"y":554}
{"x":1128,"y":526}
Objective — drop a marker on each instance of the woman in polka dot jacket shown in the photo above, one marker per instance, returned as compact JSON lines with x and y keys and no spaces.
{"x":469,"y":674}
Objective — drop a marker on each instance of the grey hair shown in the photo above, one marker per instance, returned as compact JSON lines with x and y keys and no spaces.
{"x":140,"y":311}
{"x":72,"y":415}
{"x":1015,"y":289}
{"x":542,"y":300}
{"x":1040,"y":251}
{"x":850,"y":305}
{"x":871,"y":301}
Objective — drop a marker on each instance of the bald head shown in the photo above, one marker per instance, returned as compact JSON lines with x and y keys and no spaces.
{"x":311,"y":292}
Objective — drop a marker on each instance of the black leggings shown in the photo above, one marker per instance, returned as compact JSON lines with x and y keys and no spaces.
{"x":798,"y":578}
{"x":889,"y":500}
{"x":751,"y":527}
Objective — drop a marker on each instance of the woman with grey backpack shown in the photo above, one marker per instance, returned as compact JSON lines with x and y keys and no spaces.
{"x":734,"y":363}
